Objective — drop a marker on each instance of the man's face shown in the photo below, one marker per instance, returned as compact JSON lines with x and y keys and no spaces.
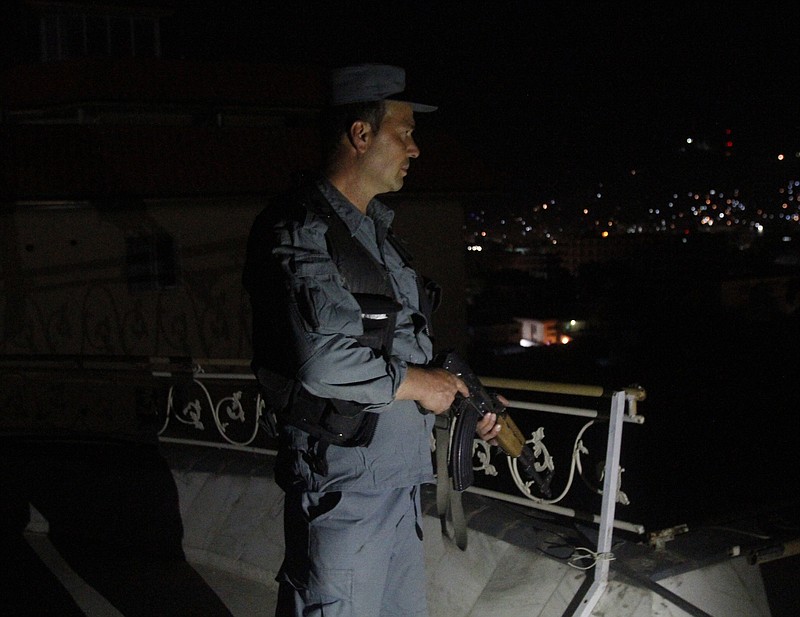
{"x":387,"y":159}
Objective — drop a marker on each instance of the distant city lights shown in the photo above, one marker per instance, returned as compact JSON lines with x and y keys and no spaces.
{"x":602,"y":213}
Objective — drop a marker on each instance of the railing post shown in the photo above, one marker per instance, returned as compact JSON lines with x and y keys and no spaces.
{"x":609,"y":503}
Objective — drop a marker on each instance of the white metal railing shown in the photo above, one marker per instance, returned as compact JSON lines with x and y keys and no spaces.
{"x":629,"y":397}
{"x":623,"y":408}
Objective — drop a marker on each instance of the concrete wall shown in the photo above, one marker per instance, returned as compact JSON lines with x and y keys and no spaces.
{"x":235,"y":523}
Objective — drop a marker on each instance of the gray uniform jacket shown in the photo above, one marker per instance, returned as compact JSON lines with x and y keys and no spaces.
{"x":332,"y":364}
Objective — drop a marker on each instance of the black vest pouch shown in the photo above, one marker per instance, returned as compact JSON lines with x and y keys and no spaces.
{"x":337,"y":422}
{"x":378,"y":318}
{"x":356,"y":429}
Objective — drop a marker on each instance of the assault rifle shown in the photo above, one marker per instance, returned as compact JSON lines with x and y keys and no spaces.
{"x":466,"y":412}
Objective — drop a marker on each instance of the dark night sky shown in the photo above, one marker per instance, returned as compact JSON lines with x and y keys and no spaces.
{"x":556,"y":91}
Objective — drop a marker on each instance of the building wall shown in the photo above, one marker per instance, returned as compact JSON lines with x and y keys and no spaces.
{"x":66,"y":288}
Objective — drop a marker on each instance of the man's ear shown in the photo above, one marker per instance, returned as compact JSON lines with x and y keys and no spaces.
{"x":360,"y":135}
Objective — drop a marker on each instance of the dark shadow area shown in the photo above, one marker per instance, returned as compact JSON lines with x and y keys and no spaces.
{"x":780,"y":581}
{"x":113,"y":515}
{"x":79,"y":445}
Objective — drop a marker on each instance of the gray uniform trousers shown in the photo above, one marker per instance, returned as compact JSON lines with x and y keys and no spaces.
{"x":353,"y":554}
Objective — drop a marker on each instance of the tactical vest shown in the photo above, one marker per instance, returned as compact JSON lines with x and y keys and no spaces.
{"x":334,"y":421}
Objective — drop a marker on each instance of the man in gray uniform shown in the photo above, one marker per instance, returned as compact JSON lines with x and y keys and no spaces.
{"x":341,"y":348}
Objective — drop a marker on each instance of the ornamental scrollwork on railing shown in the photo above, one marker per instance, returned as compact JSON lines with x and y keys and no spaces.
{"x":483,"y":452}
{"x":229,"y":407}
{"x":543,"y":463}
{"x":484,"y":462}
{"x":207,"y":409}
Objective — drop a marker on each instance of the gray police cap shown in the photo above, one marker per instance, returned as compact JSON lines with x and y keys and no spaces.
{"x":363,"y":83}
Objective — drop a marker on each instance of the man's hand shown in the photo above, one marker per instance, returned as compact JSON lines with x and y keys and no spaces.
{"x":487,"y":427}
{"x":433,"y":388}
